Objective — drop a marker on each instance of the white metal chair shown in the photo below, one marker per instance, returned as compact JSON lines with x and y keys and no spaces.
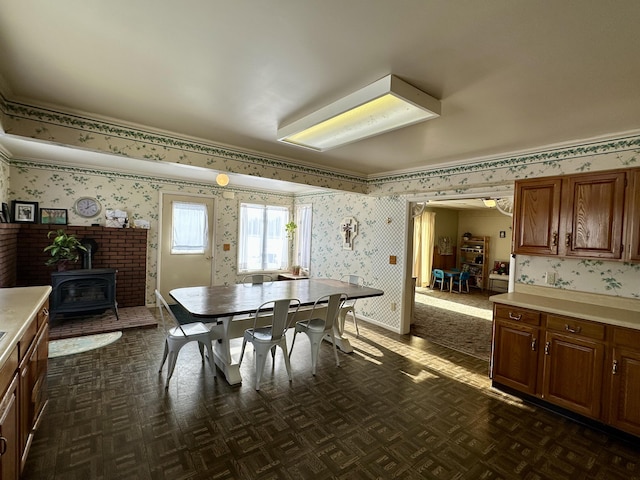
{"x":272,"y":336}
{"x":320,"y":324}
{"x":257,"y":279}
{"x":178,"y":335}
{"x":350,"y":305}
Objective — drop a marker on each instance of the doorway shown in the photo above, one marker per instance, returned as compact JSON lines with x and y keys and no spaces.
{"x":185,"y":257}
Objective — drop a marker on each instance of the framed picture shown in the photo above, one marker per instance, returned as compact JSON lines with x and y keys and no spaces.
{"x":53,"y":216}
{"x":5,"y":212}
{"x":3,"y":219}
{"x":24,"y":212}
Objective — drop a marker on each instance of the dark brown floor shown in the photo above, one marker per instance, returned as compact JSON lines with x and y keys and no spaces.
{"x":398,"y":407}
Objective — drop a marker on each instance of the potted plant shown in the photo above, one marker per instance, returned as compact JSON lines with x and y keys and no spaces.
{"x":290,"y":228}
{"x":64,"y":249}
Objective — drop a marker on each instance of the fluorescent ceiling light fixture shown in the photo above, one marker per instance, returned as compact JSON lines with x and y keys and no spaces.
{"x":489,"y":202}
{"x":384,"y":105}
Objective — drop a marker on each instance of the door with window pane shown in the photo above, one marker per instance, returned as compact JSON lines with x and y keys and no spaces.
{"x":186,"y":242}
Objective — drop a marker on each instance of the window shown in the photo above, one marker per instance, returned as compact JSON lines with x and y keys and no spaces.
{"x":263,"y":243}
{"x":190,"y":227}
{"x":302,"y":256}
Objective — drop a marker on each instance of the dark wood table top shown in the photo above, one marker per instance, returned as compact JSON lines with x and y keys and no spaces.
{"x":226,"y":300}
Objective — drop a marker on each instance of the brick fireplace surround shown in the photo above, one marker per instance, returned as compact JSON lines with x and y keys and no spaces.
{"x":125,"y":249}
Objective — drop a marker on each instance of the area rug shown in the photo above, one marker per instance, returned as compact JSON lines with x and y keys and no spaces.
{"x":65,"y":326}
{"x":461,"y":322}
{"x":70,"y":346}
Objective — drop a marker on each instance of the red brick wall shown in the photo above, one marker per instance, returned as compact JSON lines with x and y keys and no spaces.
{"x":8,"y":254}
{"x":124,"y":249}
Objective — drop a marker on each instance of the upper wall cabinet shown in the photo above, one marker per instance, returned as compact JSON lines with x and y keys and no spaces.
{"x":592,"y":210}
{"x":536,"y":216}
{"x":572,"y":216}
{"x":633,"y":226}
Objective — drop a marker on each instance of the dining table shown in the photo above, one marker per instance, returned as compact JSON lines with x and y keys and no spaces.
{"x":233,"y":307}
{"x":449,"y":275}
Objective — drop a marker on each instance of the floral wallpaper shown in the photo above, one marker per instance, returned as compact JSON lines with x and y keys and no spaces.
{"x":4,"y":178}
{"x":59,"y":187}
{"x":380,"y":204}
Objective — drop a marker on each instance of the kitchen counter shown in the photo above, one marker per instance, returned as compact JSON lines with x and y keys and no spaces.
{"x":628,"y":316}
{"x":17,"y":306}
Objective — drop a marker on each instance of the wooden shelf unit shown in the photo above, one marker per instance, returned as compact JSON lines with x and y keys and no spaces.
{"x":473,"y":255}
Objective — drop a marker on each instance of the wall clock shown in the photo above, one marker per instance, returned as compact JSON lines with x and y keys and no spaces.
{"x":87,"y":207}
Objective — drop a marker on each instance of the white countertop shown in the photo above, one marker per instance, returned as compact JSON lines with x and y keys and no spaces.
{"x":17,"y":306}
{"x":622,"y":317}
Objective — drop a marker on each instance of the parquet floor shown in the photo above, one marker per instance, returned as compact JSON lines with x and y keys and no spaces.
{"x":398,"y":407}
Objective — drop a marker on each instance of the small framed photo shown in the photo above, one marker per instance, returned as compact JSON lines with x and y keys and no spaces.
{"x":5,"y":212}
{"x":53,"y":216}
{"x":3,"y":219}
{"x":24,"y":212}
{"x":503,"y":234}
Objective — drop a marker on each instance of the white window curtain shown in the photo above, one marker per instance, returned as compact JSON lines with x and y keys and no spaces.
{"x":423,"y":238}
{"x":190,"y":228}
{"x":263,"y":242}
{"x":302,"y":256}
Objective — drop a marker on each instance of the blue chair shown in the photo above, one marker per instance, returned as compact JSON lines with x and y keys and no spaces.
{"x":460,"y":281}
{"x":438,"y":276}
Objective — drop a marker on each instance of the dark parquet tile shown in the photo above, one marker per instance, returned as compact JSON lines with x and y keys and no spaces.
{"x":398,"y":407}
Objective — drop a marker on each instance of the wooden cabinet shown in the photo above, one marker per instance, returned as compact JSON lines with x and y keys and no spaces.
{"x":573,"y":364}
{"x":536,"y":216}
{"x":633,"y":217}
{"x":9,"y":444}
{"x":585,"y":367}
{"x":592,"y":210}
{"x":515,"y":348}
{"x":571,"y":216}
{"x":474,"y":257}
{"x":23,"y":375}
{"x":33,"y":381}
{"x":624,"y":410}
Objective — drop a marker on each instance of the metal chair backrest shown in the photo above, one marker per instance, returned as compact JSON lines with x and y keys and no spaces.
{"x":257,"y":279}
{"x":352,"y":280}
{"x":333,"y":303}
{"x":163,"y":307}
{"x":282,"y":311}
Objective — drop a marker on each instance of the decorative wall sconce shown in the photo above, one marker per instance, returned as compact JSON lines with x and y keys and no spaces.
{"x":348,"y":230}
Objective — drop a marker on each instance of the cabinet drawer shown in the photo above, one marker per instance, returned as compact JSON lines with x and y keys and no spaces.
{"x":27,"y":338}
{"x":627,"y":337}
{"x":575,"y":326}
{"x":8,"y":370}
{"x":516,"y":314}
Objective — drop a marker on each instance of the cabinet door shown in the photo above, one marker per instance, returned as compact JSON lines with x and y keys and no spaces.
{"x":593,"y":207}
{"x":515,"y":356}
{"x":536,"y":216}
{"x":633,"y":222}
{"x":625,"y":390}
{"x":9,"y":433}
{"x":572,"y":375}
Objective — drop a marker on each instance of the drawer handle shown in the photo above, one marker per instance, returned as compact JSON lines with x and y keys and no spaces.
{"x":571,"y":329}
{"x":567,"y":240}
{"x":547,"y":348}
{"x":45,"y":310}
{"x":533,"y":345}
{"x":3,"y":446}
{"x":554,"y":241}
{"x":614,"y":370}
{"x":515,"y":317}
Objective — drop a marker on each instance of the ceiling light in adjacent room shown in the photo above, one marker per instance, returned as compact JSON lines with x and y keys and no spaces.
{"x":384,"y":105}
{"x":222,"y":179}
{"x":489,"y":202}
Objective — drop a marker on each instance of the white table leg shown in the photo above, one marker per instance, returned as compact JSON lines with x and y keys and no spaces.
{"x":222,"y":355}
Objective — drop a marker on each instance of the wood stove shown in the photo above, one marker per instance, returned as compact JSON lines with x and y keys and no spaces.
{"x":83,"y":291}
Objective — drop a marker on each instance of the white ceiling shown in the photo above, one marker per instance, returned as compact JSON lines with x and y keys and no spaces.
{"x":512,"y":75}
